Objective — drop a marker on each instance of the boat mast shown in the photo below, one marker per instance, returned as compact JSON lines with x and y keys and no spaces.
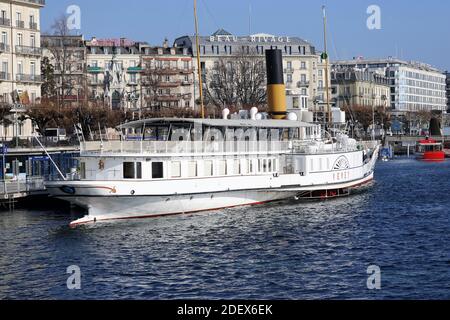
{"x":325,"y":57}
{"x":199,"y":65}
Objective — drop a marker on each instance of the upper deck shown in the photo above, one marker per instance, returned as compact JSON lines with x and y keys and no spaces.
{"x":172,"y":137}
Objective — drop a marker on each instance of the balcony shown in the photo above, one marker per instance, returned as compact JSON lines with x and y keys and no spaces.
{"x":164,"y":97}
{"x":169,"y":84}
{"x":95,"y":69}
{"x":4,"y":48}
{"x":187,"y":83}
{"x":186,"y":70}
{"x":20,"y":24}
{"x":28,"y":78}
{"x":289,"y":70}
{"x":33,"y":26}
{"x":95,"y":82}
{"x":133,"y":83}
{"x":134,"y":69}
{"x":29,"y":51}
{"x":5,"y":22}
{"x":5,"y":76}
{"x":301,"y":84}
{"x":166,"y":70}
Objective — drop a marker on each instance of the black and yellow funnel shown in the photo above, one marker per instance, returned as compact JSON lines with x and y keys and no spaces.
{"x":276,"y":90}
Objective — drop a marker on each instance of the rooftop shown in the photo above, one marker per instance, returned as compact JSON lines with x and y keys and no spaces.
{"x":389,"y":60}
{"x":39,"y":3}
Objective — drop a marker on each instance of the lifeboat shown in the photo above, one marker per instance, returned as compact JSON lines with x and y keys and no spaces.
{"x":431,"y":150}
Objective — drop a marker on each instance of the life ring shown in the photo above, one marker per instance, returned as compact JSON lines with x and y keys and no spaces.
{"x":101,"y":165}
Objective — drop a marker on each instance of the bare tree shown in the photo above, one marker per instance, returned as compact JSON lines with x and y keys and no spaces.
{"x":5,"y":115}
{"x":151,"y":83}
{"x":237,"y":81}
{"x":65,"y":57}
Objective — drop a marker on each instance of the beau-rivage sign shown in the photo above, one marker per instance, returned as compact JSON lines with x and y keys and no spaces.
{"x":256,"y":38}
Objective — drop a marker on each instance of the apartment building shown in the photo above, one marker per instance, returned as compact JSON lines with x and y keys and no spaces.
{"x":304,"y":69}
{"x":67,"y":55}
{"x":168,"y":78}
{"x":20,"y":60}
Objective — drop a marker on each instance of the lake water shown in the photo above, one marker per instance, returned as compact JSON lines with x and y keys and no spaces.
{"x":290,"y":250}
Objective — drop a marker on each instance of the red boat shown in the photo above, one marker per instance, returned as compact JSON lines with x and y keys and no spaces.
{"x":431,"y":150}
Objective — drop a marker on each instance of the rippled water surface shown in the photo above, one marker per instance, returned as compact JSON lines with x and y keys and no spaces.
{"x":292,"y":250}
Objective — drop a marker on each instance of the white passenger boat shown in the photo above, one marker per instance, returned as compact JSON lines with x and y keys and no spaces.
{"x":178,"y":166}
{"x":191,"y":165}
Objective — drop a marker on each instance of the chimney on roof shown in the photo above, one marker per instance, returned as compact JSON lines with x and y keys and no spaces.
{"x":122,"y":42}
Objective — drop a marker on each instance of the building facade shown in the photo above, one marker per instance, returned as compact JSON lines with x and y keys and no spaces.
{"x":114,"y":72}
{"x":354,"y":87}
{"x":67,"y":55}
{"x":414,"y":86}
{"x":167,"y":78}
{"x":20,"y":60}
{"x":304,"y":69}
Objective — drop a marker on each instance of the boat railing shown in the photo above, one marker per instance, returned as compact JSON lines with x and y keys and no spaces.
{"x":213,"y":147}
{"x":316,"y":147}
{"x":182,"y":147}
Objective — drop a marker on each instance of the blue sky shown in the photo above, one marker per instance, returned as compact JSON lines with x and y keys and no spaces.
{"x":412,"y":30}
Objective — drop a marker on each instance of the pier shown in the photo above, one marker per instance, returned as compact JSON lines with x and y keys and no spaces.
{"x":25,"y":169}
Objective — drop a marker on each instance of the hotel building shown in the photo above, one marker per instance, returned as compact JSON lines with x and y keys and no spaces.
{"x":304,"y":69}
{"x":20,"y":60}
{"x":354,"y":87}
{"x":413,"y":86}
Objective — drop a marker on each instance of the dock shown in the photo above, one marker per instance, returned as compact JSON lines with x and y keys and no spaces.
{"x":27,"y":169}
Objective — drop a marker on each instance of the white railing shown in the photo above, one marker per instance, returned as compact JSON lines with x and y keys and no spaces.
{"x":21,"y":186}
{"x":321,"y":148}
{"x":182,"y":147}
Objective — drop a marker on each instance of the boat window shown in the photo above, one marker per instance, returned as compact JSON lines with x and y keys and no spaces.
{"x":208,"y":168}
{"x":270,"y":165}
{"x":176,"y":169}
{"x":83,"y":170}
{"x":265,"y":165}
{"x":138,"y":170}
{"x":222,"y":168}
{"x":237,"y":167}
{"x":192,"y":169}
{"x":132,"y":170}
{"x":157,"y":170}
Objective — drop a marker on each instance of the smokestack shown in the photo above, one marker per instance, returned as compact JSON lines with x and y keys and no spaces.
{"x":276,"y":90}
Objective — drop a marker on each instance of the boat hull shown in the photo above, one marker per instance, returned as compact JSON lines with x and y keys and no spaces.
{"x":107,"y":208}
